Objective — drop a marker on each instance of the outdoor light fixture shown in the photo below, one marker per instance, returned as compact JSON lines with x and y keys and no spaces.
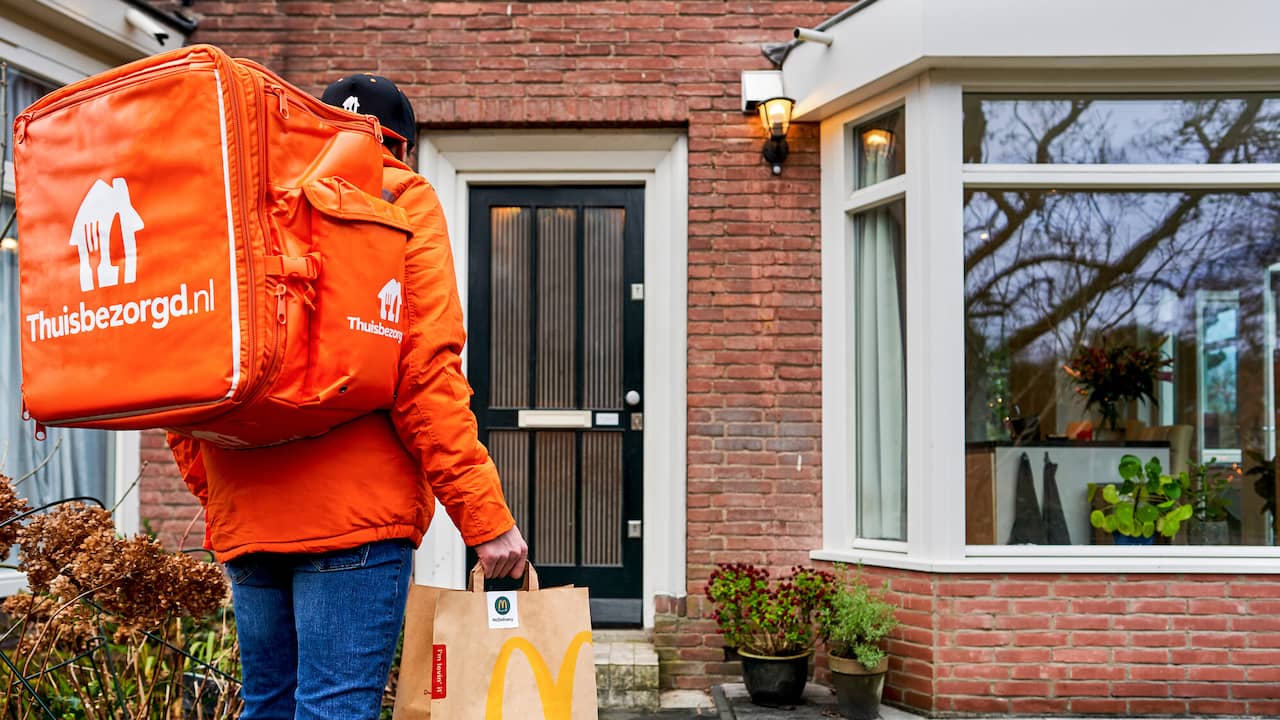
{"x":775,"y":118}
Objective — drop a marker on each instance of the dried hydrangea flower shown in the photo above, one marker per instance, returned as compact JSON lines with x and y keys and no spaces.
{"x":11,"y":506}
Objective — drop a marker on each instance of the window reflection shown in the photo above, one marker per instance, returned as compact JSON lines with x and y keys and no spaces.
{"x":1189,"y":272}
{"x":1072,"y":129}
{"x":880,"y":150}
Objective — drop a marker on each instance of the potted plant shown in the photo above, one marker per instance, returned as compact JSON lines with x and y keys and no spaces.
{"x":1207,"y":496}
{"x":1147,"y":501}
{"x":852,"y":624}
{"x":1109,"y":375}
{"x":771,"y":625}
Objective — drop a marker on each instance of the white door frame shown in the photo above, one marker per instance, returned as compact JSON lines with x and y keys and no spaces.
{"x":453,"y":162}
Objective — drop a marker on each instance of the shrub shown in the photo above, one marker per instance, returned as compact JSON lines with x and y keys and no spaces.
{"x":762,"y":616}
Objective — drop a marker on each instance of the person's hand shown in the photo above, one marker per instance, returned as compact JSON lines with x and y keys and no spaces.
{"x":504,"y":556}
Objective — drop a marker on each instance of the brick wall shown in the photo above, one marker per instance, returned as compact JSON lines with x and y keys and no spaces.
{"x":754,"y":288}
{"x":165,"y":505}
{"x":1051,"y":644}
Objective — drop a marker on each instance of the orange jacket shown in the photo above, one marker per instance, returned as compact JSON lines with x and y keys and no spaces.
{"x":377,"y":477}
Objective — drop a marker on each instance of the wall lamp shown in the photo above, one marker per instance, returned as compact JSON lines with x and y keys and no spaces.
{"x":775,"y":118}
{"x":762,"y":93}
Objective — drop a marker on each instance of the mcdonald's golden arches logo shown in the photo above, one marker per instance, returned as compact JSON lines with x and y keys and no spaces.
{"x":555,"y":693}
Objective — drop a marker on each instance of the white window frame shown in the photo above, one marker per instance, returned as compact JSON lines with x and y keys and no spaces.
{"x":933,"y":187}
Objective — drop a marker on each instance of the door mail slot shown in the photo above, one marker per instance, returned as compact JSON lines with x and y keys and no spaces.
{"x":554,"y":418}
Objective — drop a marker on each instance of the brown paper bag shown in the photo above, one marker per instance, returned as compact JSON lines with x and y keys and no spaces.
{"x":474,"y":655}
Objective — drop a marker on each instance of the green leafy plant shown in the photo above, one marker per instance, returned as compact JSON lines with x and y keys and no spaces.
{"x":1110,"y":374}
{"x":1147,"y":501}
{"x":1207,"y":492}
{"x":855,"y":620}
{"x":765,"y":616}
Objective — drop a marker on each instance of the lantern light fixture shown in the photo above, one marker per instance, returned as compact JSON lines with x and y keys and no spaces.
{"x":775,"y":119}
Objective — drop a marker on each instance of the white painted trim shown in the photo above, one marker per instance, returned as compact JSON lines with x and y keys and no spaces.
{"x":1124,"y":177}
{"x":128,"y":467}
{"x":1144,"y":561}
{"x":1173,"y":79}
{"x":935,"y":327}
{"x":889,"y":42}
{"x":100,"y":25}
{"x":455,"y":161}
{"x":881,"y":193}
{"x":34,"y":52}
{"x":839,"y":200}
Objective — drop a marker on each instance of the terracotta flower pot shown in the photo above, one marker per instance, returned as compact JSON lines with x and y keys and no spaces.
{"x":858,"y":689}
{"x":773,"y":681}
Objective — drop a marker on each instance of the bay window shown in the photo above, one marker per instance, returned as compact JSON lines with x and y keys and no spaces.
{"x":1172,"y":261}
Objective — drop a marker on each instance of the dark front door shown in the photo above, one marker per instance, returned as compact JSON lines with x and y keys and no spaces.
{"x":555,"y":354}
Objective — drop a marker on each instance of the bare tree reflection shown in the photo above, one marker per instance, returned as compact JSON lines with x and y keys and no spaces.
{"x":1047,"y":270}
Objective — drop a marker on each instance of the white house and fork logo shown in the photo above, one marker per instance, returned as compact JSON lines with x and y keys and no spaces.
{"x":91,"y":232}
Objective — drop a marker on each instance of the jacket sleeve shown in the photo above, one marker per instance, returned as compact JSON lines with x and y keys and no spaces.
{"x":432,"y":409}
{"x":186,"y":453}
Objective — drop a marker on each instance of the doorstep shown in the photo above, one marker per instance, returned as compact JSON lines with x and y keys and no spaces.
{"x":626,"y":670}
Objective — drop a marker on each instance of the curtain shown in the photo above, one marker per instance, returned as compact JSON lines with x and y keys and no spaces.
{"x":69,"y":462}
{"x":880,"y":374}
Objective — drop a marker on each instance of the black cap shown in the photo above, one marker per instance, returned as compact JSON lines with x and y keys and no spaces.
{"x":377,"y":96}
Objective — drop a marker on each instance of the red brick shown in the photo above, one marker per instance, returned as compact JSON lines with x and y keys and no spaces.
{"x":1096,"y":706}
{"x":1199,"y":690}
{"x":1039,"y":706}
{"x":1157,"y":707}
{"x":1216,"y":673}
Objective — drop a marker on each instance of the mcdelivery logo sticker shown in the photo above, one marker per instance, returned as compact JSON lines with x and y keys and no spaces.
{"x":390,"y":302}
{"x":91,"y":234}
{"x":503,"y":612}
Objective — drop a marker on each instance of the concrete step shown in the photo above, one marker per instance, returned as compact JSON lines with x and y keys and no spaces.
{"x":626,"y":669}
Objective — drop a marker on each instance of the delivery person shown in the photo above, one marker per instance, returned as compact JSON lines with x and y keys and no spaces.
{"x":317,"y":535}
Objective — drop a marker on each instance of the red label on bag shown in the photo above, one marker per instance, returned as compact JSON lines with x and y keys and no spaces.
{"x":438,"y":673}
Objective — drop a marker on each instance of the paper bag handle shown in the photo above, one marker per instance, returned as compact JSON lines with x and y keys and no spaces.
{"x":530,"y":580}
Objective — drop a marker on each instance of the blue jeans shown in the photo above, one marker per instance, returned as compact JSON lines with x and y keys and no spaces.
{"x":318,"y":631}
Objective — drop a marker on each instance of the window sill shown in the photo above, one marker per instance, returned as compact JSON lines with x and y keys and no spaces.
{"x":11,"y":582}
{"x":1227,"y":560}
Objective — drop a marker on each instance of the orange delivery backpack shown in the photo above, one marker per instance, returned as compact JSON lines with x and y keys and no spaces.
{"x":204,"y":248}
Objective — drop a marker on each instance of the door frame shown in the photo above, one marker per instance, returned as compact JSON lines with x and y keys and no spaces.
{"x":658,"y":160}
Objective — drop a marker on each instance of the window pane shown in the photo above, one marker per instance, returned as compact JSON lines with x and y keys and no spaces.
{"x":22,"y":90}
{"x":879,"y":315}
{"x":1209,"y":129}
{"x":879,"y":150}
{"x":1188,"y":276}
{"x":68,"y":462}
